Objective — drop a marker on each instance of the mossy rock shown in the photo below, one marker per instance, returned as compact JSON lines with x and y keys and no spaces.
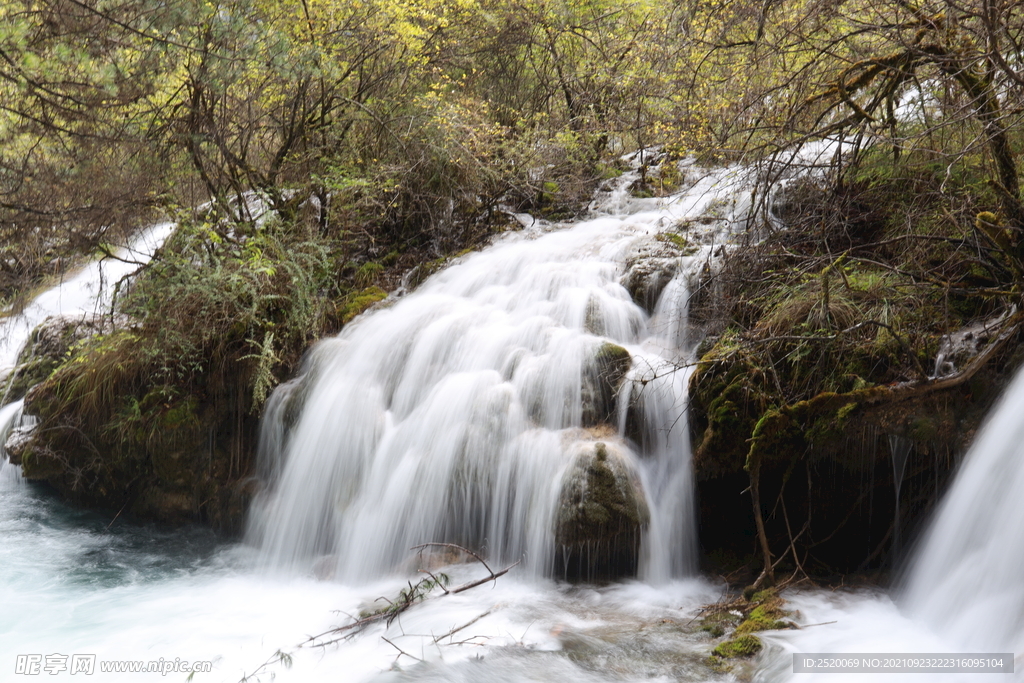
{"x":26,"y":376}
{"x":602,"y":511}
{"x":601,"y":383}
{"x":650,"y":266}
{"x":45,"y":350}
{"x":767,"y":615}
{"x":729,"y":394}
{"x":717,"y":623}
{"x":679,"y":242}
{"x":355,"y":304}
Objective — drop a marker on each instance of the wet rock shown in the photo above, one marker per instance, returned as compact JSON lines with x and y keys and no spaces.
{"x":46,"y":348}
{"x":156,"y":502}
{"x":602,"y":513}
{"x":601,"y":383}
{"x":649,"y":268}
{"x":18,"y":443}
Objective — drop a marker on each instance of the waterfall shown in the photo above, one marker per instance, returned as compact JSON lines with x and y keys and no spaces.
{"x":464,"y":411}
{"x":965,"y":580}
{"x":87,"y":291}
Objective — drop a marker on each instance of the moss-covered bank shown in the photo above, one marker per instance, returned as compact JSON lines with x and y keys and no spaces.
{"x":856,"y":359}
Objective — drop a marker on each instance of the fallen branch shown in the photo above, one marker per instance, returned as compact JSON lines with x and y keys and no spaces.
{"x":407,"y":598}
{"x":472,"y":584}
{"x":460,"y":628}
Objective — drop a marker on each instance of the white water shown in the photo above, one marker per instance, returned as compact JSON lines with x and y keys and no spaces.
{"x":454,"y":415}
{"x":967,"y":579}
{"x":86,"y":291}
{"x":71,"y":583}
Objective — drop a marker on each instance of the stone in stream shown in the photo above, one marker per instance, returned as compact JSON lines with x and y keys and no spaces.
{"x":602,"y":513}
{"x":650,"y":267}
{"x":601,"y":382}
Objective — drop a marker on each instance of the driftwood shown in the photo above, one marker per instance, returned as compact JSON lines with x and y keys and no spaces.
{"x":407,"y":597}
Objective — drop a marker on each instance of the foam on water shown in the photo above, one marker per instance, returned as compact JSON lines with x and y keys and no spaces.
{"x":71,"y":586}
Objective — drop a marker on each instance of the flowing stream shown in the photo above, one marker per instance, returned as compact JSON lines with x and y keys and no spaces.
{"x":460,"y":412}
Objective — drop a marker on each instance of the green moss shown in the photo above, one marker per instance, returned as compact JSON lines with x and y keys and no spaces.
{"x":357,"y":303}
{"x":716,"y":623}
{"x":743,"y":646}
{"x":729,"y":395}
{"x":27,"y":376}
{"x":679,"y":242}
{"x":845,"y":411}
{"x":599,"y":500}
{"x":613,"y":356}
{"x":714,"y":630}
{"x":763,"y":618}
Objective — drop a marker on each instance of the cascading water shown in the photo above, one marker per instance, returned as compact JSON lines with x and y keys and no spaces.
{"x":464,"y":411}
{"x":899,"y":449}
{"x":966,"y":580}
{"x":485,"y":390}
{"x":85,"y":292}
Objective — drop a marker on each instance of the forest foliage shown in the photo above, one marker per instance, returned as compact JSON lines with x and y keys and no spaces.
{"x":417,"y":119}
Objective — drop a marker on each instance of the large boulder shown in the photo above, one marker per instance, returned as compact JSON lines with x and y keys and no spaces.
{"x":602,"y":512}
{"x":114,"y":435}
